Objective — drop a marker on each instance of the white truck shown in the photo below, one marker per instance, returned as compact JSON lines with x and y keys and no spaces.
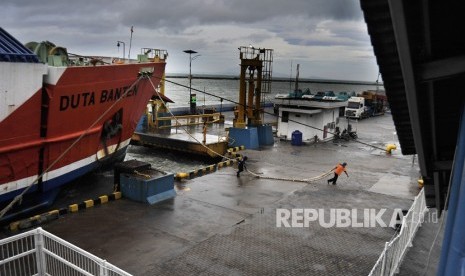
{"x":356,"y":108}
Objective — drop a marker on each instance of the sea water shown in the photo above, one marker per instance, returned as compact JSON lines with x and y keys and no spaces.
{"x":177,"y":89}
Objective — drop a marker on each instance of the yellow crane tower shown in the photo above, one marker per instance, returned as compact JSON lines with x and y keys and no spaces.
{"x":254,"y":83}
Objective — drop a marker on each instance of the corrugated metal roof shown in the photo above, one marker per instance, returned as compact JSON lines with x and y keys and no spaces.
{"x":381,"y":32}
{"x":420,"y":50}
{"x":11,"y":50}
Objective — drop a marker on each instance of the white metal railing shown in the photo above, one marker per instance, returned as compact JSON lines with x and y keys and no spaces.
{"x":394,"y":251}
{"x":38,"y":252}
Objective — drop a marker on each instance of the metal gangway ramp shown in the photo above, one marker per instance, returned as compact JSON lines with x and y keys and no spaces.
{"x":38,"y":252}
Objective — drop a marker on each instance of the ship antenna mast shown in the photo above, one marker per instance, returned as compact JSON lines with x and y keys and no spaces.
{"x":297,"y":78}
{"x":290,"y":78}
{"x":130,"y":42}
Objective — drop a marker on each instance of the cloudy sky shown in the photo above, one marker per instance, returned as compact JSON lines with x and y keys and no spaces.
{"x":328,"y":38}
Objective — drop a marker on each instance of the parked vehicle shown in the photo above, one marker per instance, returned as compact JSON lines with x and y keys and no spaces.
{"x":356,"y":108}
{"x":346,"y":134}
{"x":365,"y":105}
{"x":344,"y":96}
{"x":325,"y":95}
{"x":296,"y":94}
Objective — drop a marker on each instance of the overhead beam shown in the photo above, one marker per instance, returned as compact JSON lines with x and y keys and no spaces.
{"x":442,"y":165}
{"x":428,"y":89}
{"x":439,"y":69}
{"x":403,"y":48}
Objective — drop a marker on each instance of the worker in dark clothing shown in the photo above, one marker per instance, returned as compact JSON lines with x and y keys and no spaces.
{"x":241,"y":166}
{"x":337,"y":172}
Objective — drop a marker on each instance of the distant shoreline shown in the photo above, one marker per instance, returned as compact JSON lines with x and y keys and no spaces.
{"x":327,"y":81}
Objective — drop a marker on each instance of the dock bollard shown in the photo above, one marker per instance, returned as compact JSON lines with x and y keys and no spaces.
{"x":390,"y":147}
{"x":420,"y":183}
{"x":181,"y":175}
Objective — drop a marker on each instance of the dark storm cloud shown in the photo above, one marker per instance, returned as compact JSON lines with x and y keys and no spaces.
{"x":173,"y":14}
{"x":294,"y":28}
{"x":180,"y":13}
{"x":254,"y":37}
{"x":102,"y":17}
{"x":326,"y":33}
{"x":83,"y":16}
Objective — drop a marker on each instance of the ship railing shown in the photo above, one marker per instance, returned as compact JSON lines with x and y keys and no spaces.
{"x":38,"y":252}
{"x":190,"y":120}
{"x":394,"y":251}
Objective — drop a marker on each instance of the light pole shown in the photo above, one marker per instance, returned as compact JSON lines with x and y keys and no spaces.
{"x":192,"y":102}
{"x":124,"y":47}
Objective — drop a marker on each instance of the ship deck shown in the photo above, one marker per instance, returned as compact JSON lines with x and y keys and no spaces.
{"x":220,"y":224}
{"x":178,"y":139}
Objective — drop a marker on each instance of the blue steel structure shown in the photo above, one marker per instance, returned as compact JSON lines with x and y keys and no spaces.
{"x":453,"y":246}
{"x":420,"y":49}
{"x":11,"y":50}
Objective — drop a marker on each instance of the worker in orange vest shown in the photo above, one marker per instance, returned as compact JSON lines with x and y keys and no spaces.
{"x":337,"y":172}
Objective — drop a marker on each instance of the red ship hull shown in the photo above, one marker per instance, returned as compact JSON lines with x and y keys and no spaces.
{"x":79,"y":118}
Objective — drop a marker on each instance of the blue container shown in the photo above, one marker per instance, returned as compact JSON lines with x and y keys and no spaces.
{"x":265,"y":135}
{"x":296,"y":139}
{"x":247,"y":137}
{"x":150,"y":186}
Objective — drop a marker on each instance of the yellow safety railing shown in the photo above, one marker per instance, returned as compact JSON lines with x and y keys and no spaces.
{"x":190,"y":120}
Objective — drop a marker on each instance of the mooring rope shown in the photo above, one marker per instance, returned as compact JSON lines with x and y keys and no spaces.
{"x":182,"y":127}
{"x":269,"y":113}
{"x":306,"y":180}
{"x":142,"y":174}
{"x":19,"y":197}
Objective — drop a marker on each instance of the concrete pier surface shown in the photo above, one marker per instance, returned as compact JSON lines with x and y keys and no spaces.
{"x":221,"y":224}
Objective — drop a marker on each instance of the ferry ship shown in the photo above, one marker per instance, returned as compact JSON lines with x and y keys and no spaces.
{"x":64,"y":115}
